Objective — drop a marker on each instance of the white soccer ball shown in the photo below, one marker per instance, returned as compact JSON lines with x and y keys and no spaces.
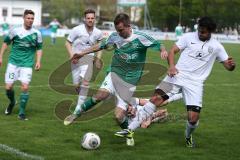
{"x":90,"y":141}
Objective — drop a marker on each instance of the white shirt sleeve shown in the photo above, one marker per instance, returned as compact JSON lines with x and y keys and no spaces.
{"x":100,"y":37}
{"x":72,"y":35}
{"x":222,"y":54}
{"x":182,"y":42}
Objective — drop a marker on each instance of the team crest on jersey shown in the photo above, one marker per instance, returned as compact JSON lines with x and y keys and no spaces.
{"x":210,"y":49}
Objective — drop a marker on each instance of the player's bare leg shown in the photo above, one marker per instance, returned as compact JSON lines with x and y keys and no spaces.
{"x":102,"y":94}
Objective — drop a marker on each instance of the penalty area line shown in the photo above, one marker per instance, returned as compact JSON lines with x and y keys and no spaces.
{"x":18,"y":153}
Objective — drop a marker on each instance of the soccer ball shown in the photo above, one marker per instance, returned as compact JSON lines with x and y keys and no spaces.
{"x":90,"y":141}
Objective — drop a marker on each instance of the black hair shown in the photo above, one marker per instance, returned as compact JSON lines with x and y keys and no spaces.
{"x":208,"y":23}
{"x":28,"y":11}
{"x":122,"y":18}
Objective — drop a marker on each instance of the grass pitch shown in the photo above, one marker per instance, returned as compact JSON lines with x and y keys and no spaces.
{"x":45,"y":135}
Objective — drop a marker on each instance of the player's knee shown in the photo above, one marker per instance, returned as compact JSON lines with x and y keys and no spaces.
{"x":193,"y":113}
{"x":24,"y":88}
{"x":120,"y":115}
{"x":193,"y":123}
{"x":9,"y":87}
{"x":102,"y":95}
{"x":85,"y":83}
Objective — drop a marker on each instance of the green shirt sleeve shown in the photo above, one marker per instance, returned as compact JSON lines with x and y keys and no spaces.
{"x":8,"y":39}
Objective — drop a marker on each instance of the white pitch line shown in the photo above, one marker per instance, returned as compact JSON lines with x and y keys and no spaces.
{"x":18,"y":153}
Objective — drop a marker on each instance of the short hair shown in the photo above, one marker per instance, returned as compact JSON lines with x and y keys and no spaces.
{"x":87,"y":11}
{"x":28,"y":11}
{"x":122,"y":18}
{"x":208,"y":23}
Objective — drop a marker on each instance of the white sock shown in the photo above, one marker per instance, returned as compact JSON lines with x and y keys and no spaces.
{"x":81,"y":98}
{"x":175,"y":97}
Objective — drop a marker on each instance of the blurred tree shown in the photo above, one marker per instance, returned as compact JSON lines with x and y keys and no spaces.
{"x":63,"y":10}
{"x":165,"y":13}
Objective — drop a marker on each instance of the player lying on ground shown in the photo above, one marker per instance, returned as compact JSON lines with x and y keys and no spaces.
{"x":133,"y":111}
{"x":136,"y":113}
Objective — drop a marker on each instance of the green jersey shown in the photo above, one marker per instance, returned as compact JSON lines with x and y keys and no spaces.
{"x":5,"y":26}
{"x":179,"y":31}
{"x":54,"y":26}
{"x":24,"y":46}
{"x":130,"y":54}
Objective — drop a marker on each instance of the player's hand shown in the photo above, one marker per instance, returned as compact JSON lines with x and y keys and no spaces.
{"x":37,"y":66}
{"x":131,"y":111}
{"x":98,"y":63}
{"x":229,"y":64}
{"x":230,"y":61}
{"x":172,"y":71}
{"x":75,"y":58}
{"x":164,"y":54}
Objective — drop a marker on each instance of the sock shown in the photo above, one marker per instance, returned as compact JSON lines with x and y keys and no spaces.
{"x":175,"y":97}
{"x":124,"y":124}
{"x":81,"y":98}
{"x":11,"y":96}
{"x":78,"y":108}
{"x":190,"y":128}
{"x":147,"y":110}
{"x":89,"y":103}
{"x":53,"y":40}
{"x":23,"y":102}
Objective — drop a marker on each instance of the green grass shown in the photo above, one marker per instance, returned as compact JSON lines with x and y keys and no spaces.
{"x":45,"y":135}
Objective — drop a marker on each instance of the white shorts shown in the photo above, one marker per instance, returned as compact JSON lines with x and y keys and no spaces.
{"x":192,"y":93}
{"x":53,"y":35}
{"x":14,"y":73}
{"x":82,"y":70}
{"x":122,"y":90}
{"x":6,"y":32}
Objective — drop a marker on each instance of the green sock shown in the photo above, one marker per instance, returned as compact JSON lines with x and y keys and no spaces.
{"x":89,"y":103}
{"x":23,"y":102}
{"x":124,"y":124}
{"x":11,"y":96}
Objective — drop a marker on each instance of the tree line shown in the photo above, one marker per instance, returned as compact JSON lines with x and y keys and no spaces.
{"x":163,"y":13}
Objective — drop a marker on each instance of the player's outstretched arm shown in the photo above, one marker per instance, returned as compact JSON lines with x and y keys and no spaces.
{"x":3,"y":48}
{"x":77,"y":56}
{"x":38,"y":60}
{"x":97,"y":60}
{"x":229,"y":64}
{"x":68,"y":46}
{"x":172,"y":70}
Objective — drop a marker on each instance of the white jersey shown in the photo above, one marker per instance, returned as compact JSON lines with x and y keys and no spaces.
{"x":81,"y":39}
{"x":197,"y":57}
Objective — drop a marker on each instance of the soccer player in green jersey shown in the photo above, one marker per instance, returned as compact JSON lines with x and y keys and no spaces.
{"x":54,"y":25}
{"x":26,"y":41}
{"x":178,"y":31}
{"x":130,"y":47}
{"x":5,"y":28}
